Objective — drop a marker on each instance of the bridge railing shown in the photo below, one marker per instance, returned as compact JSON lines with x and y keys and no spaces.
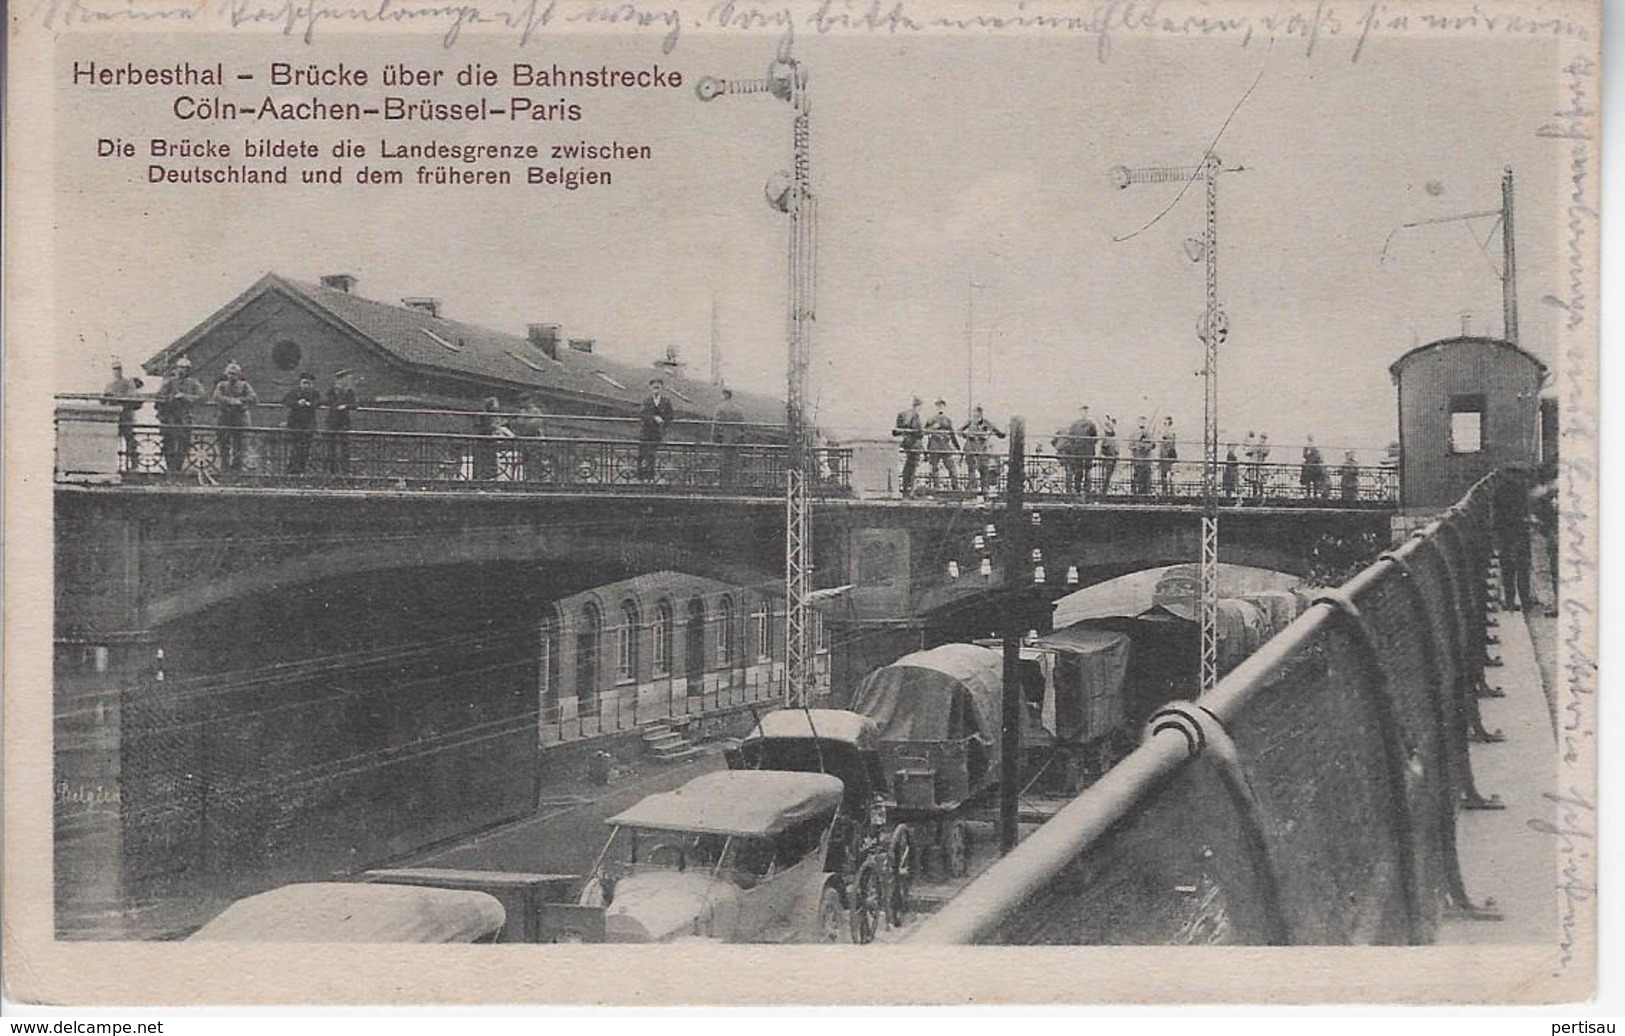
{"x":1310,"y":798}
{"x":427,"y":460}
{"x":1127,"y":481}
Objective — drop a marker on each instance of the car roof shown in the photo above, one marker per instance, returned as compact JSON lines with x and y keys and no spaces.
{"x":737,"y":802}
{"x":357,"y":912}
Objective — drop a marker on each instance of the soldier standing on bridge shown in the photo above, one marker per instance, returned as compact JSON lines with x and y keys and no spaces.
{"x":488,"y":425}
{"x":978,"y":461}
{"x":942,"y":444}
{"x":1349,"y":474}
{"x":1261,"y":456}
{"x":121,"y":392}
{"x":341,"y":401}
{"x":1076,"y":445}
{"x":1108,"y":453}
{"x":1168,"y":455}
{"x":1232,"y":471}
{"x":910,"y":432}
{"x":301,"y":403}
{"x":1313,"y":476}
{"x":1141,"y":451}
{"x":1510,"y":510}
{"x":726,"y":428}
{"x":176,"y":397}
{"x":655,"y":416}
{"x":233,"y":396}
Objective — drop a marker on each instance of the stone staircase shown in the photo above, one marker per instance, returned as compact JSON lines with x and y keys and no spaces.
{"x":668,"y":741}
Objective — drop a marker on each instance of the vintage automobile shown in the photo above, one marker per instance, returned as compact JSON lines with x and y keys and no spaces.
{"x":873,"y":860}
{"x":735,"y":855}
{"x":358,"y":912}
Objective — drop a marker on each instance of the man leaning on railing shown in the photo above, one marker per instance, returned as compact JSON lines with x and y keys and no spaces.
{"x":233,"y":396}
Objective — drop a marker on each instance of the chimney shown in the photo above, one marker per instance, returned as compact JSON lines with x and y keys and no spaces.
{"x":581,"y":345}
{"x":544,"y":337}
{"x":429,"y":305}
{"x":1466,"y":323}
{"x":344,"y":282}
{"x":670,"y":361}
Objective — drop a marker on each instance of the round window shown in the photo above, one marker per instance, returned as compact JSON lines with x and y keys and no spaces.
{"x":286,"y":355}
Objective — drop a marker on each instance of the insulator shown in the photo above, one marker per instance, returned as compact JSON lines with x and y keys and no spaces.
{"x":978,"y":543}
{"x":1038,"y":556}
{"x":953,"y":570}
{"x":987,"y":567}
{"x":992,"y":531}
{"x":1038,"y":518}
{"x":1038,"y":574}
{"x":1072,"y":575}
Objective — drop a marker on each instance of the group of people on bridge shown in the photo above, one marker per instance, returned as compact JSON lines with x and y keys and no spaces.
{"x":181,"y":397}
{"x":1088,"y":454}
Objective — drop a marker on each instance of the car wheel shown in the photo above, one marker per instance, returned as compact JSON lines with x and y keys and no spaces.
{"x":831,"y":919}
{"x":955,"y":851}
{"x":901,"y":858}
{"x":868,"y":903}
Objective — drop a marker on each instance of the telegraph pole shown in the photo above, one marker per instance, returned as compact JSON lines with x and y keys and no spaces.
{"x":786,"y":79}
{"x":1509,"y":275}
{"x":1213,"y":331}
{"x":1014,"y":703}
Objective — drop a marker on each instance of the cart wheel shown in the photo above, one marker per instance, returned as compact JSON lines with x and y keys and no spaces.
{"x":955,"y":851}
{"x":902,"y":859}
{"x":868,"y":903}
{"x":830,"y":922}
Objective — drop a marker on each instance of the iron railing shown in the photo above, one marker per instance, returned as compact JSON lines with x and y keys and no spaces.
{"x":1310,"y":798}
{"x":1156,"y":481}
{"x":430,"y":459}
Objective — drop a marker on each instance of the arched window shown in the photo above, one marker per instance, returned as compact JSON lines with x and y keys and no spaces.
{"x":661,"y":635}
{"x":725,"y":632}
{"x":547,"y":668}
{"x":763,"y":621}
{"x":589,"y":638}
{"x":626,"y":643}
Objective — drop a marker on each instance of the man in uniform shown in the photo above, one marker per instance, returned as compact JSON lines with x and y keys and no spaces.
{"x":176,"y":397}
{"x":942,"y":444}
{"x":341,"y":402}
{"x":1168,"y":454}
{"x":655,"y":416}
{"x":1141,"y":450}
{"x":1349,"y":476}
{"x":233,"y":395}
{"x":121,"y":392}
{"x":909,"y":430}
{"x":1509,"y":508}
{"x":978,"y":461}
{"x":1076,"y":447}
{"x":726,"y":429}
{"x":301,"y":403}
{"x":1108,"y":453}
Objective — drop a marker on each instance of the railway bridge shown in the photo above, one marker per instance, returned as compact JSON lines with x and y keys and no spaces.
{"x":315,"y":671}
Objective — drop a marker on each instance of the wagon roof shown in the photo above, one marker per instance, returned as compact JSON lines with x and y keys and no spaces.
{"x":945,"y":693}
{"x":737,"y":802}
{"x":822,"y":724}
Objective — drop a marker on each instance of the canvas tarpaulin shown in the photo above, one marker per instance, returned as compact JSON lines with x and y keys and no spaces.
{"x":945,"y":694}
{"x":1087,"y":676}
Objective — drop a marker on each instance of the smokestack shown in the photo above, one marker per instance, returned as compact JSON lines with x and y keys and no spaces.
{"x":344,"y":282}
{"x":428,"y":305}
{"x":581,"y":345}
{"x":1466,"y":323}
{"x":544,"y":337}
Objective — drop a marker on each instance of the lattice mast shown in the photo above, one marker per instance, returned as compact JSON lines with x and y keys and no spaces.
{"x":786,"y":79}
{"x":1212,"y":331}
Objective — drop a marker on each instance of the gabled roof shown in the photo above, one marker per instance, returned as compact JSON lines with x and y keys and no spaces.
{"x":1393,"y":368}
{"x":425,"y":342}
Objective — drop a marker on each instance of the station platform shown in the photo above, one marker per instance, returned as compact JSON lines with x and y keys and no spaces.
{"x":1510,"y":855}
